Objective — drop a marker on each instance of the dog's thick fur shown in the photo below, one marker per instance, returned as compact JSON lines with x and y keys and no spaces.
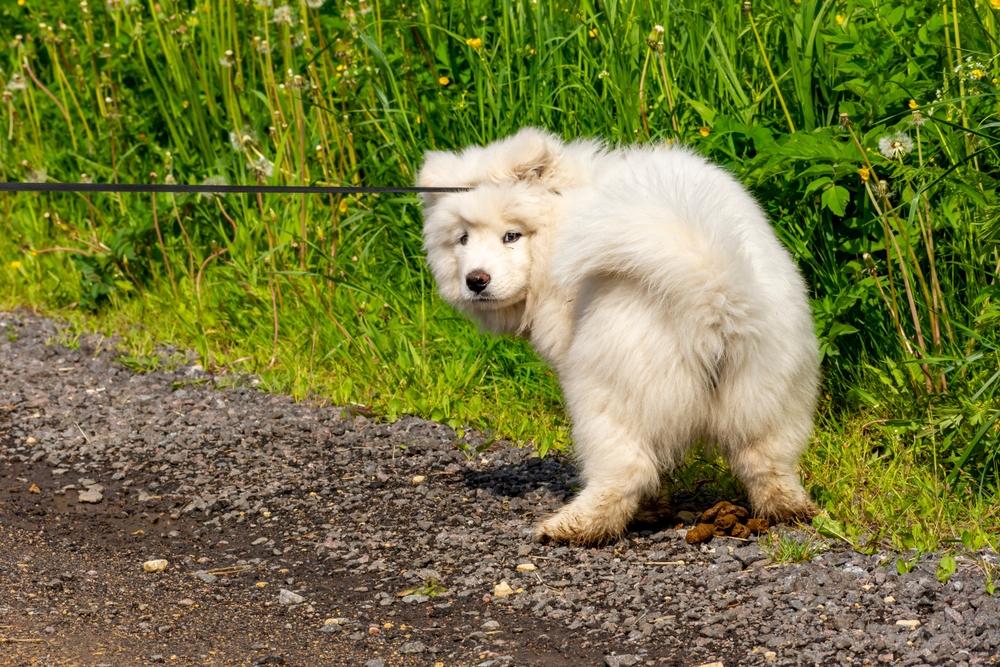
{"x":653,"y":284}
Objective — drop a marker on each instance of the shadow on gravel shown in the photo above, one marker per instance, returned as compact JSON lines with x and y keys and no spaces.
{"x":527,"y":477}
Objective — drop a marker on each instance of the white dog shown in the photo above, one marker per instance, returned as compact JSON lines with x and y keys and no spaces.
{"x":653,"y":284}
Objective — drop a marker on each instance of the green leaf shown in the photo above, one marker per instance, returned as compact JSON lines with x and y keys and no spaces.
{"x":946,"y":568}
{"x":836,"y":198}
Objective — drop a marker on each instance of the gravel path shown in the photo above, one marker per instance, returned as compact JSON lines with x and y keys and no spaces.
{"x":298,"y":535}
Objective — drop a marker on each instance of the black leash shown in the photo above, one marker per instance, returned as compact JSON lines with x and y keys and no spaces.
{"x":159,"y":188}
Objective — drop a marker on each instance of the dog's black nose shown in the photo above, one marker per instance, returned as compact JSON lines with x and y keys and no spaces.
{"x":477,"y":281}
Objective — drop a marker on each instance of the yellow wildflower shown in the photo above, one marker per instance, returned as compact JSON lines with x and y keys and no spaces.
{"x":474,"y":42}
{"x":592,"y":32}
{"x":343,"y":206}
{"x":704,"y":131}
{"x":995,"y":4}
{"x":977,"y":73}
{"x":444,"y":81}
{"x":913,"y":103}
{"x":20,"y":3}
{"x":15,"y":265}
{"x":841,"y":20}
{"x":863,"y":173}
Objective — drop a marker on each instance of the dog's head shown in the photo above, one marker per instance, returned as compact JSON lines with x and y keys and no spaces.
{"x":479,"y":242}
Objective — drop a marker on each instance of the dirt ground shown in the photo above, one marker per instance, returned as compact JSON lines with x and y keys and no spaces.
{"x":73,"y":592}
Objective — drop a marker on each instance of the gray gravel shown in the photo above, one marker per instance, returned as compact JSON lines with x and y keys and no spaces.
{"x":331,"y":497}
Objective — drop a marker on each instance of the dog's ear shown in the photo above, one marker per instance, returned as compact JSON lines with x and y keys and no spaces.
{"x":439,"y":170}
{"x":531,"y":154}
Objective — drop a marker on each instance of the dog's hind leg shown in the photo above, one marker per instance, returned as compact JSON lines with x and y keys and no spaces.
{"x":768,"y":468}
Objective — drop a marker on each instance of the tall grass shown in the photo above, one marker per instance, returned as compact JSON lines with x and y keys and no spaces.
{"x":329,"y":295}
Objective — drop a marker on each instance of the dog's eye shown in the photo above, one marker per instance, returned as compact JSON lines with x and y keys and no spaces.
{"x":510,"y":237}
{"x":463,"y":239}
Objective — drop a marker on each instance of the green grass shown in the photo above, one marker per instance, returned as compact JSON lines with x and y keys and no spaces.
{"x":329,"y":296}
{"x":788,"y":547}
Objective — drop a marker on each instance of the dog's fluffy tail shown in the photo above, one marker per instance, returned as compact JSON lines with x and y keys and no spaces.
{"x":701,"y":281}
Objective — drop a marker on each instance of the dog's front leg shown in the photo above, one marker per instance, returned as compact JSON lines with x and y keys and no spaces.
{"x":619,"y":472}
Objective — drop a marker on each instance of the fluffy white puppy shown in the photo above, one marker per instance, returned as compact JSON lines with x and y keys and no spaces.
{"x":653,"y":284}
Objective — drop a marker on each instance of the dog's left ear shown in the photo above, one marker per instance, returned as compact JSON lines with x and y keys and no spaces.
{"x":532,"y":154}
{"x":438,"y":171}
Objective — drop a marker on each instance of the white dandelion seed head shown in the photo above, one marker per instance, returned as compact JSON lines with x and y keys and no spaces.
{"x":262,"y":167}
{"x":283,"y":14}
{"x":658,"y":28}
{"x":213,"y":180}
{"x":314,"y":4}
{"x":16,"y":83}
{"x":37,"y":175}
{"x":895,"y":146}
{"x":240,"y":140}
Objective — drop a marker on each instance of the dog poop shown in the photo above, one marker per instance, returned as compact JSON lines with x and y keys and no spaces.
{"x":724,"y":519}
{"x":701,"y":533}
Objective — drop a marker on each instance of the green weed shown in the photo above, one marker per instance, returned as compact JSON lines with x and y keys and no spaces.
{"x":787,"y":547}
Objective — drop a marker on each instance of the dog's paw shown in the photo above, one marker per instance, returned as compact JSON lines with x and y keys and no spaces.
{"x":799,"y":511}
{"x":574,"y":528}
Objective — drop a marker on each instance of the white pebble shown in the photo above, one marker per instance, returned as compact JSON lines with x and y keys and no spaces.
{"x":155,"y":565}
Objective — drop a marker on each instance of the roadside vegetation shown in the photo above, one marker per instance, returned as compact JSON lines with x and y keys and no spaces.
{"x":868,"y":129}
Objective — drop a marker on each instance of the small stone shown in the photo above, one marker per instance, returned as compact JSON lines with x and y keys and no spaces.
{"x":259,"y":541}
{"x":155,"y":565}
{"x":375,"y":662}
{"x":490,"y":625}
{"x":91,"y":495}
{"x":502,"y":590}
{"x":954,"y":616}
{"x":623,"y":660}
{"x":711,"y":664}
{"x":412,"y":647}
{"x":286,"y":596}
{"x":526,"y":567}
{"x":910,"y":623}
{"x":418,"y":479}
{"x":34,"y":488}
{"x":207,"y":577}
{"x":770,"y":656}
{"x":888,"y":599}
{"x":186,"y":602}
